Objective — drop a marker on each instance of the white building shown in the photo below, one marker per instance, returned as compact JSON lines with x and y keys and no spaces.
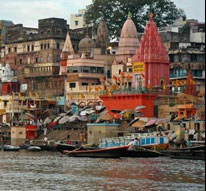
{"x":77,"y":20}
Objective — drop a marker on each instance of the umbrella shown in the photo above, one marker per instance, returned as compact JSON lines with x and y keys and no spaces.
{"x":87,"y":112}
{"x":30,"y":115}
{"x":47,"y":121}
{"x":57,"y":119}
{"x":116,"y":111}
{"x":139,"y":124}
{"x":83,"y":118}
{"x":62,"y":114}
{"x":133,"y":121}
{"x":25,"y":117}
{"x":85,"y":108}
{"x":100,"y":117}
{"x":115,"y":115}
{"x":151,"y":122}
{"x":73,"y":118}
{"x":64,"y":120}
{"x":179,"y":118}
{"x":69,"y":112}
{"x":162,"y":121}
{"x":140,"y":107}
{"x":100,"y":108}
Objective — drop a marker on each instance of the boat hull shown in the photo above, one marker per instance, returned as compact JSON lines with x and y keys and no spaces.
{"x":64,"y":147}
{"x":115,"y":152}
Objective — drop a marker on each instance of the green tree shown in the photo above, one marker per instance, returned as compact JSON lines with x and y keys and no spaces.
{"x":116,"y":11}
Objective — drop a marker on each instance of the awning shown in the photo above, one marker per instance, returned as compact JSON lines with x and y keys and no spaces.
{"x":140,"y":107}
{"x":139,"y":124}
{"x":133,"y":121}
{"x":64,"y":120}
{"x":151,"y":122}
{"x":179,"y":118}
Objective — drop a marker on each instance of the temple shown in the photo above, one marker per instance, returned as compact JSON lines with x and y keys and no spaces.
{"x":151,"y":61}
{"x":128,"y":43}
{"x":150,"y":69}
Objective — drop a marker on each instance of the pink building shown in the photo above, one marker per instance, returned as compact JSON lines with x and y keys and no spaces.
{"x":151,"y":62}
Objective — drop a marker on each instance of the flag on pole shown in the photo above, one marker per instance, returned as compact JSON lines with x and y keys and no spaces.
{"x":143,"y":76}
{"x":83,"y":96}
{"x":122,"y":74}
{"x":90,"y":89}
{"x":115,"y":78}
{"x":30,"y":94}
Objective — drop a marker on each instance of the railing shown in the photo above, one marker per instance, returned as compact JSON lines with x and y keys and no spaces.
{"x":178,"y":75}
{"x":122,"y":141}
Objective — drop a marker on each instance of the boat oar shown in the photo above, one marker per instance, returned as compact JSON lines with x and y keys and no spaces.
{"x":141,"y":148}
{"x":68,"y":152}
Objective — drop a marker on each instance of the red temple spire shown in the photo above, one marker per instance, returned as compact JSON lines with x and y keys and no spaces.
{"x":151,"y":47}
{"x":152,"y":57}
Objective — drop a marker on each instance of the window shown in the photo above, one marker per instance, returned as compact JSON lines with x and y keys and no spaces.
{"x":36,"y":59}
{"x":58,"y":46}
{"x":48,"y":46}
{"x":84,"y":84}
{"x":15,"y":49}
{"x":72,"y":85}
{"x":100,"y":70}
{"x":9,"y":50}
{"x":20,"y":61}
{"x":193,"y":57}
{"x":42,"y":46}
{"x":75,"y":69}
{"x":93,"y":70}
{"x":32,"y":47}
{"x":28,"y":48}
{"x":76,"y":23}
{"x":86,"y":69}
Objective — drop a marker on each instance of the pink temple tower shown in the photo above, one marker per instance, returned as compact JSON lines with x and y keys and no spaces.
{"x":151,"y":61}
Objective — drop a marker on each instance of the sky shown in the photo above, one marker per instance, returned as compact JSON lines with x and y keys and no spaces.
{"x":28,"y":12}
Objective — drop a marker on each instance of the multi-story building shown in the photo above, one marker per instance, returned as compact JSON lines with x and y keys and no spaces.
{"x":3,"y":30}
{"x":86,"y":70}
{"x":185,"y":41}
{"x":77,"y":20}
{"x":34,"y":55}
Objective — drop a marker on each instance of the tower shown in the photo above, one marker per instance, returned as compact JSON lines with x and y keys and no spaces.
{"x":66,"y":51}
{"x":102,"y":40}
{"x":151,"y":61}
{"x":128,"y":41}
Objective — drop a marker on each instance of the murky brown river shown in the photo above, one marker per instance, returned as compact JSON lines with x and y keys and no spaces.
{"x":52,"y":171}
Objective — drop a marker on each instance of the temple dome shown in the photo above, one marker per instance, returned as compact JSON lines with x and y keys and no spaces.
{"x":128,"y":42}
{"x":86,"y":44}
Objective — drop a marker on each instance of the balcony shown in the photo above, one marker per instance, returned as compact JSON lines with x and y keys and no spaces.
{"x":178,"y":76}
{"x":197,"y":75}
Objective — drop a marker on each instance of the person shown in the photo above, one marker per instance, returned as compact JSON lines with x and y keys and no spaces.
{"x":82,"y":137}
{"x":134,"y":144}
{"x":45,"y":139}
{"x":68,"y":140}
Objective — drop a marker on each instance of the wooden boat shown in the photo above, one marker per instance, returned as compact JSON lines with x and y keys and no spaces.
{"x":47,"y":148}
{"x":115,"y":152}
{"x":64,"y":147}
{"x":34,"y":148}
{"x":157,"y":147}
{"x":141,"y":153}
{"x":10,"y":148}
{"x":191,"y":153}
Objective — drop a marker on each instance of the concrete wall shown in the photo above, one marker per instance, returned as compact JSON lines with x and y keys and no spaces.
{"x":18,"y":135}
{"x":99,"y":131}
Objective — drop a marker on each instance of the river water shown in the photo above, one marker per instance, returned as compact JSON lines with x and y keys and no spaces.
{"x":53,"y":171}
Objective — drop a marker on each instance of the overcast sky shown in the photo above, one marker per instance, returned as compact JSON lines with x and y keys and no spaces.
{"x":28,"y":12}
